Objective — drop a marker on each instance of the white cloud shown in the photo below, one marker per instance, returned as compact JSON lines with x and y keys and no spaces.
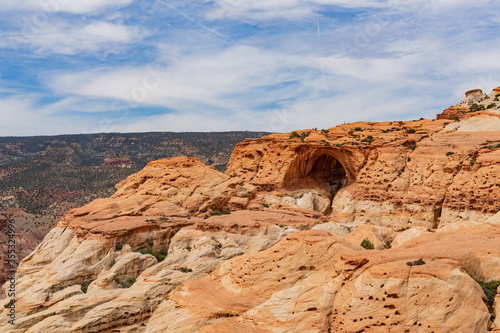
{"x":265,"y":10}
{"x":213,"y":80}
{"x":70,"y":6}
{"x":19,"y":116}
{"x":230,"y":89}
{"x":262,"y":10}
{"x":259,"y":9}
{"x":64,"y":38}
{"x":417,"y":62}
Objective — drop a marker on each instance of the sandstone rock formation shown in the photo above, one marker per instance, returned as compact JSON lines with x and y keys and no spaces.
{"x":474,"y":103}
{"x":315,"y":281}
{"x":398,"y":174}
{"x":274,"y":245}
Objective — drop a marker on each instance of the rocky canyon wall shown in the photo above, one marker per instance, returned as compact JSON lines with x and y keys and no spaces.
{"x":399,"y":174}
{"x":364,"y":227}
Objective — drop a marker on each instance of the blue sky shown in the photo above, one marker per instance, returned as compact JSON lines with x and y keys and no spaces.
{"x":72,"y":66}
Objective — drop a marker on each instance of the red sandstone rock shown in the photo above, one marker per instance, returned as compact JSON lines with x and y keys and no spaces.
{"x":251,"y":269}
{"x":473,"y":92}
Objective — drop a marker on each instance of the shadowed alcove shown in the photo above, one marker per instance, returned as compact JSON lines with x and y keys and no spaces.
{"x":319,"y":178}
{"x":328,"y":173}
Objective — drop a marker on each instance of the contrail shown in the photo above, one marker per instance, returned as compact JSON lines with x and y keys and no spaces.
{"x":198,"y":23}
{"x":319,"y":40}
{"x":319,"y":32}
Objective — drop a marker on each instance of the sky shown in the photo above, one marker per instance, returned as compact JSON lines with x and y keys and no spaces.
{"x":93,"y":66}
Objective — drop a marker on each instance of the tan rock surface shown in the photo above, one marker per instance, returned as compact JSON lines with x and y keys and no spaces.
{"x":314,"y":281}
{"x":394,"y":174}
{"x":49,"y":283}
{"x":273,"y":245}
{"x":378,"y":236}
{"x":407,"y":235}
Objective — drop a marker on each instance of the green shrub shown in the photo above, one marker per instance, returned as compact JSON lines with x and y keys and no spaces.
{"x":217,"y":212}
{"x":316,"y":216}
{"x":491,"y":106}
{"x":112,"y":263}
{"x":265,"y":205}
{"x":456,"y":118}
{"x":185,"y":269}
{"x":388,"y":244}
{"x":326,"y":143}
{"x":325,"y":131}
{"x":118,"y":247}
{"x":358,"y":129}
{"x":85,"y":286}
{"x":490,"y":290}
{"x":368,"y":139}
{"x":475,"y":107}
{"x":163,"y":219}
{"x":367,"y":244}
{"x":449,"y":153}
{"x":159,"y":255}
{"x":189,"y":248}
{"x":416,"y":262}
{"x":124,"y":282}
{"x":301,"y":136}
{"x":411,"y":130}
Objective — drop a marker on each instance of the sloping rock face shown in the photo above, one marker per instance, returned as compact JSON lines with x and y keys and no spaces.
{"x":365,"y":227}
{"x":398,"y":174}
{"x":314,"y":281}
{"x":86,"y":275}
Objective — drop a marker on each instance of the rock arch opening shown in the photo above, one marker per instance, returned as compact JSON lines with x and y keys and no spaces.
{"x":328,"y":174}
{"x":315,"y":183}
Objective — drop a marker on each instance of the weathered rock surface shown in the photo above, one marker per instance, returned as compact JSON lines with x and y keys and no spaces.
{"x":396,"y":174}
{"x":274,"y":245}
{"x":313,"y":281}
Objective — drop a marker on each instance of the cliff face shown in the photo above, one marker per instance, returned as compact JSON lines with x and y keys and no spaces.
{"x":274,"y":245}
{"x":397,"y":174}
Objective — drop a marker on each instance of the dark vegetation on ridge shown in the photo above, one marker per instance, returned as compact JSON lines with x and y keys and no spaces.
{"x":43,"y":177}
{"x":39,"y":173}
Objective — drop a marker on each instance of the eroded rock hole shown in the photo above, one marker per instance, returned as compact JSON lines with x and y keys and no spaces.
{"x":314,"y":184}
{"x":329,"y":174}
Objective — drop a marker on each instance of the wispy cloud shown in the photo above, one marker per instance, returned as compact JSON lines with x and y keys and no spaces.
{"x":273,"y":65}
{"x":263,"y":10}
{"x":69,"y":6}
{"x":65,"y":38}
{"x":201,"y":79}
